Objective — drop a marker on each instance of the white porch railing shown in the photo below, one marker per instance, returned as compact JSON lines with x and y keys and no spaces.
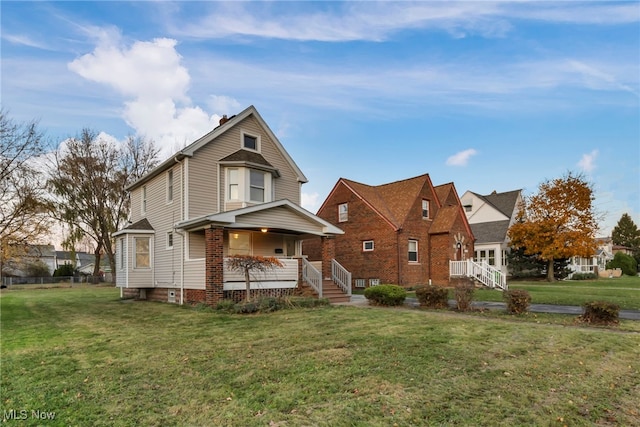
{"x":312,"y":276}
{"x":341,"y":276}
{"x":483,"y":272}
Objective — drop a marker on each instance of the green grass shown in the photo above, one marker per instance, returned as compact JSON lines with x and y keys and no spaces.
{"x":624,"y":291}
{"x":95,"y":360}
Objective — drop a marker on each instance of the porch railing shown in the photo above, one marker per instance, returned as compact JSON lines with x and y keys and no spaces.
{"x":483,"y":272}
{"x":341,"y":276}
{"x":312,"y":276}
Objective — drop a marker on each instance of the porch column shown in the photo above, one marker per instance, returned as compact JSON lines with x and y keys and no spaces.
{"x":214,"y":265}
{"x":328,"y":254}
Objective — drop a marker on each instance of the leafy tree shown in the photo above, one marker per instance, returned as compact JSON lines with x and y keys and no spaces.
{"x":23,"y":218}
{"x":626,"y":233}
{"x":88,"y":179}
{"x":249,"y":264}
{"x":557,"y":222}
{"x":65,"y":270}
{"x":625,"y":262}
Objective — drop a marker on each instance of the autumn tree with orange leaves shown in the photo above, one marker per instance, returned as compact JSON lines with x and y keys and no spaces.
{"x":557,"y":222}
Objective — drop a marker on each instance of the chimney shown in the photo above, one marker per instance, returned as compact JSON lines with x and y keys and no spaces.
{"x":223,"y":120}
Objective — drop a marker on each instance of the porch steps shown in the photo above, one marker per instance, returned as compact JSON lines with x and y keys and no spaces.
{"x":333,"y":293}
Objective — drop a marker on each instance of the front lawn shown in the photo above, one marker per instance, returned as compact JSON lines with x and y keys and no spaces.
{"x":624,"y":291}
{"x":91,"y":359}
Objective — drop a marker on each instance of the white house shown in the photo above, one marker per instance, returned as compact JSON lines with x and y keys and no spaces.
{"x":490,"y":217}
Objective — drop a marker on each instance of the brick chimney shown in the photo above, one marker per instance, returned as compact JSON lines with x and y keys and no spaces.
{"x":223,"y":120}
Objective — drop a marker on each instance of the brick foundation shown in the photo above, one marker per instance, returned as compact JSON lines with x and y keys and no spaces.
{"x":239,"y":296}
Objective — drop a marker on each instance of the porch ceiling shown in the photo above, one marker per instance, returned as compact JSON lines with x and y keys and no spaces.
{"x":281,"y":216}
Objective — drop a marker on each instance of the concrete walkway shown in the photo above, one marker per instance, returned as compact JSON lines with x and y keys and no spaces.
{"x":360,"y":300}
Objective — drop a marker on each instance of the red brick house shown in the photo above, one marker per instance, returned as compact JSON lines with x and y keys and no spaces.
{"x":404,"y":232}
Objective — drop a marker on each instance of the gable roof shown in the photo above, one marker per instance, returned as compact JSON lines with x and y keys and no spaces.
{"x":444,"y":220}
{"x":391,"y":201}
{"x":190,"y":150}
{"x":249,"y":158}
{"x":504,"y":202}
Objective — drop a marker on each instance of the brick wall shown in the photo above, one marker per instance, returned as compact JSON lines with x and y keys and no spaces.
{"x":239,"y":296}
{"x":131,"y":293}
{"x":214,"y":265}
{"x":195,"y":296}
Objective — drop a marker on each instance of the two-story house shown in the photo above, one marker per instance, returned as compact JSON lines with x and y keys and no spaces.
{"x":490,"y":217}
{"x":235,"y":190}
{"x":403,"y":233}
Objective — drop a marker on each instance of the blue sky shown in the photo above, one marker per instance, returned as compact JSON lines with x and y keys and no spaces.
{"x":488,"y":95}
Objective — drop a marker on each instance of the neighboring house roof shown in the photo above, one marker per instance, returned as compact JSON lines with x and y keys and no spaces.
{"x":490,"y":232}
{"x":41,"y":251}
{"x":503,"y":202}
{"x":210,"y":137}
{"x":258,"y":216}
{"x":391,"y":201}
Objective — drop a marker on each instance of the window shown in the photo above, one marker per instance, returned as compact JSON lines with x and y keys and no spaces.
{"x":360,"y":283}
{"x":250,"y":142}
{"x":248,"y":185}
{"x":505,"y":261}
{"x":233,"y":185}
{"x":256,"y":186}
{"x":343,"y":212}
{"x":121,"y":253}
{"x":142,"y":253}
{"x":492,"y":257}
{"x":425,"y":209}
{"x":239,"y":244}
{"x":468,"y":208}
{"x":170,"y":186}
{"x":144,"y":199}
{"x":413,"y":251}
{"x":367,"y":245}
{"x":170,"y":240}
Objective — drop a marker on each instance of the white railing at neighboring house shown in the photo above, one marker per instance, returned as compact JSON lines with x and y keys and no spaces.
{"x":341,"y":276}
{"x":312,"y":276}
{"x":483,"y":272}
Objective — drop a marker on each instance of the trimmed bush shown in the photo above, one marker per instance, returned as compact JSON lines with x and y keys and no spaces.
{"x":433,"y":296}
{"x":625,"y":262}
{"x":464,"y":295}
{"x":390,"y":295}
{"x":584,"y":276}
{"x":600,"y":313}
{"x":518,"y":301}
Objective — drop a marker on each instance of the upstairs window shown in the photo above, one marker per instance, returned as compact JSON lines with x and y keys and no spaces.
{"x":250,"y":142}
{"x":343,"y":212}
{"x":413,"y":251}
{"x":170,"y":186}
{"x":256,"y":186}
{"x":425,"y":209}
{"x":144,"y":200}
{"x":248,"y":185}
{"x":367,"y":246}
{"x":233,"y":185}
{"x":170,"y":240}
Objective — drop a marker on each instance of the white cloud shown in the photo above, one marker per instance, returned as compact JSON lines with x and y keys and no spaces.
{"x":151,"y":77}
{"x":310,"y":202}
{"x":461,"y":158}
{"x":588,"y":161}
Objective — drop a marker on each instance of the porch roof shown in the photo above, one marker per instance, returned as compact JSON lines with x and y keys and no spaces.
{"x":280,"y":215}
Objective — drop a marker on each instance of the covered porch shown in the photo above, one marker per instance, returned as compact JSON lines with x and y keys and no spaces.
{"x":274,"y":229}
